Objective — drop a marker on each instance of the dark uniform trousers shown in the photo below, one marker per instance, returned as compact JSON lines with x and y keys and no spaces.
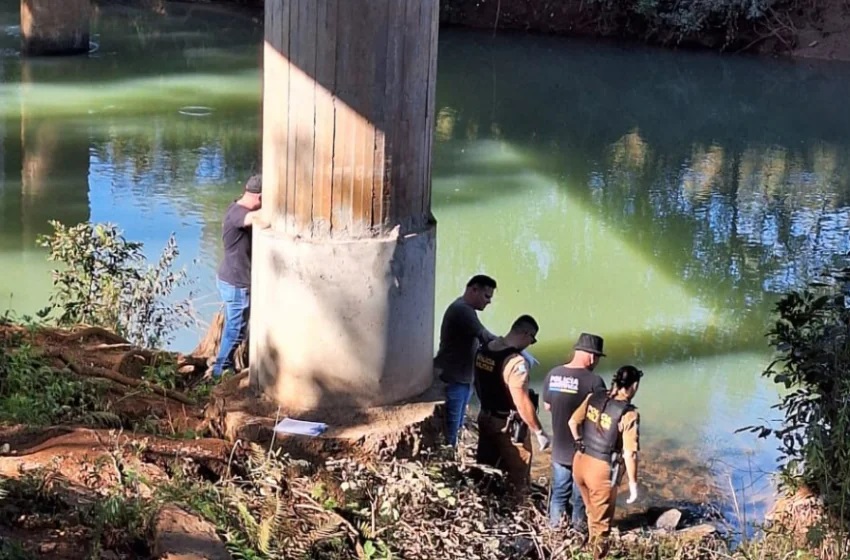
{"x":495,"y":448}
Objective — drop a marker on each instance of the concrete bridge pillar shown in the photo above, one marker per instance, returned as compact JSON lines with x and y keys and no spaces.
{"x":343,"y":281}
{"x":54,"y":27}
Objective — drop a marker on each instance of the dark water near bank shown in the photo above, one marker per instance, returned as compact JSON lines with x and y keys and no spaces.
{"x":660,"y":199}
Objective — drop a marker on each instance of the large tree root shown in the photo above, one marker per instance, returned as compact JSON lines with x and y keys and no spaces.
{"x":210,"y":344}
{"x":95,"y":371}
{"x":98,"y":332}
{"x":82,"y":442}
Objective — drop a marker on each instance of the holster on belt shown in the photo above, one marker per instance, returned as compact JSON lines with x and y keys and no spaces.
{"x":515,"y":425}
{"x":615,"y":468}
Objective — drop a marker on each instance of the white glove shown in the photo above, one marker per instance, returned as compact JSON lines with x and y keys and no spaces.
{"x":633,"y":492}
{"x":529,"y":358}
{"x":542,"y":440}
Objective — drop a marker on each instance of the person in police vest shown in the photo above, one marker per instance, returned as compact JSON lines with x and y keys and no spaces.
{"x":507,"y":411}
{"x":606,"y":431}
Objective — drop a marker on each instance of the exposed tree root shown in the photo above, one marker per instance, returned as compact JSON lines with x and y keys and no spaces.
{"x":112,"y":375}
{"x":85,"y":441}
{"x":98,"y":332}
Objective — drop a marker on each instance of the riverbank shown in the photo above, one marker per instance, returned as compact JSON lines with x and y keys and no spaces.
{"x":818,"y":29}
{"x":112,"y":451}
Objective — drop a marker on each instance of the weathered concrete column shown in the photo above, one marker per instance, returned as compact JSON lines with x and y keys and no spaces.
{"x":51,"y":27}
{"x":343,"y":285}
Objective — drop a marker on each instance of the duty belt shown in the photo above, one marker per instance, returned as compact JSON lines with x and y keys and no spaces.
{"x":597,"y":454}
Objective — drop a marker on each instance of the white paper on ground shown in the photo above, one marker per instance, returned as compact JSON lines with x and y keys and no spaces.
{"x":300,"y":427}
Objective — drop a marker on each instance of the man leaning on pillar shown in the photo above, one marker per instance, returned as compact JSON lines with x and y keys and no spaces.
{"x":461,"y":333}
{"x":234,"y":272}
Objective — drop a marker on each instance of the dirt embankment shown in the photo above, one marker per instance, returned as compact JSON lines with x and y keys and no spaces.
{"x":811,"y":29}
{"x":140,"y":454}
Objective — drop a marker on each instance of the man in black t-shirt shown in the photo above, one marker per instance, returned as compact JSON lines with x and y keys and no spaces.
{"x":234,"y":272}
{"x":461,"y":332}
{"x":564,"y":390}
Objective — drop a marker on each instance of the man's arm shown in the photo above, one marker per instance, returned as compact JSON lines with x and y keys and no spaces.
{"x":473,"y":327}
{"x":484,"y":335}
{"x":577,"y":419}
{"x":517,"y":380}
{"x":255,"y":218}
{"x":525,"y":408}
{"x":631,"y":444}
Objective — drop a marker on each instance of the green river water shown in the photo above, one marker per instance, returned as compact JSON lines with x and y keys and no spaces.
{"x":661,"y":199}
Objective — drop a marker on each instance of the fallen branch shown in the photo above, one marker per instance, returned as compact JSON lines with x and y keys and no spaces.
{"x":95,"y":371}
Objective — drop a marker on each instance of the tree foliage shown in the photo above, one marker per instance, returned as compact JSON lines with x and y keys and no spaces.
{"x":105,"y":281}
{"x":680,"y":20}
{"x":812,"y":338}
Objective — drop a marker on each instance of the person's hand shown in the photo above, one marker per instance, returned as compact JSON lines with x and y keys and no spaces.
{"x":542,"y":440}
{"x":579,"y":445}
{"x":633,"y":493}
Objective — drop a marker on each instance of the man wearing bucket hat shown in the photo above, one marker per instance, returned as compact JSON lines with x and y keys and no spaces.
{"x":564,"y":389}
{"x":234,"y":273}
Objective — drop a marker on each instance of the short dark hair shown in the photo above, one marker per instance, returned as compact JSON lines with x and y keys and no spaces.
{"x":482,"y":281}
{"x":525,"y":323}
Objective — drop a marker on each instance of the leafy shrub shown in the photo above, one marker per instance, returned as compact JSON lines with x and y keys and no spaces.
{"x":105,"y":282}
{"x":812,"y":337}
{"x":681,"y":20}
{"x":33,"y":393}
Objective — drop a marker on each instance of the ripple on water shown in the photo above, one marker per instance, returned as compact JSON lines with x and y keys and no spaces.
{"x":195,"y":111}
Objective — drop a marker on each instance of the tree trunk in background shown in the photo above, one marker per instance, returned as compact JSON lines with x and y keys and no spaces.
{"x":343,"y":283}
{"x":52,"y":27}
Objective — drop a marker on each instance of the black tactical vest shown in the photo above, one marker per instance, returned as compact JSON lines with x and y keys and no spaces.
{"x":489,"y":382}
{"x":601,"y":428}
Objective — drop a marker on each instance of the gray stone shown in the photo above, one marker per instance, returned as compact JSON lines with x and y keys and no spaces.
{"x":669,"y":520}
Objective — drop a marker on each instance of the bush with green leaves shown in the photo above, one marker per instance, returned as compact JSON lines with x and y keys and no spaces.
{"x":33,"y":393}
{"x":673,"y":20}
{"x":105,"y":281}
{"x":812,"y":338}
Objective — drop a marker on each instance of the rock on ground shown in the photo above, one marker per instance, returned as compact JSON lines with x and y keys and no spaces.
{"x":669,"y":520}
{"x":180,"y":535}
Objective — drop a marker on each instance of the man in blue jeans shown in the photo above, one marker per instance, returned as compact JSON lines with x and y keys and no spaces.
{"x":234,"y":273}
{"x":460,"y":335}
{"x":564,"y":390}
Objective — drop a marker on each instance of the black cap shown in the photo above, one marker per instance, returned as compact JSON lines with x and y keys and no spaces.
{"x":589,"y":343}
{"x":254,"y":184}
